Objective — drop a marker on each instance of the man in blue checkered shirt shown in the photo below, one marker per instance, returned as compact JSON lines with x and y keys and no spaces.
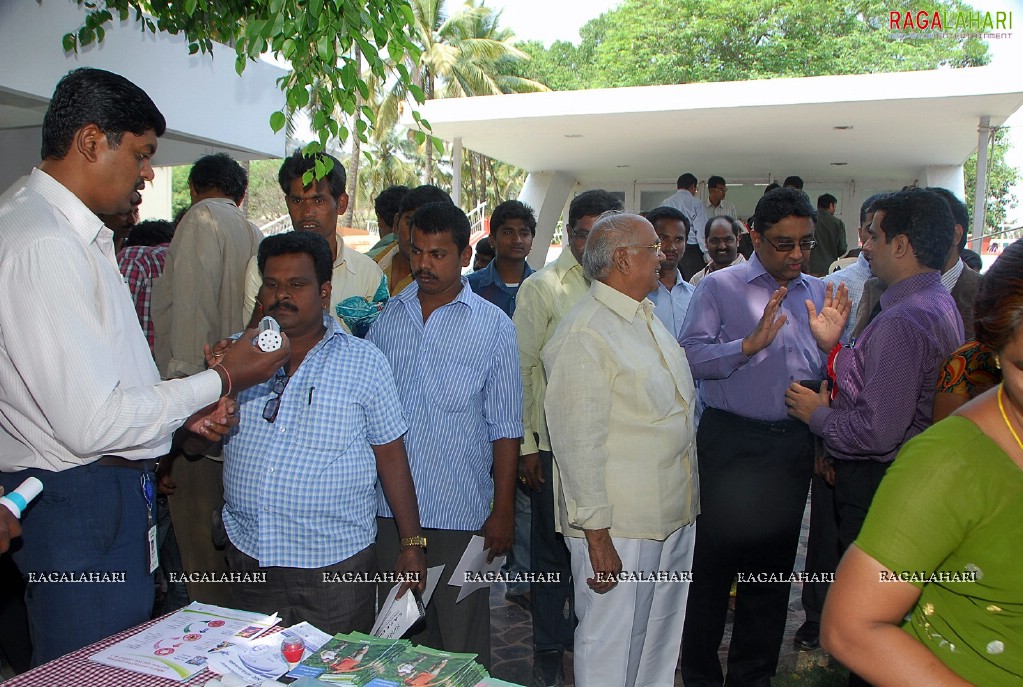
{"x":300,"y":473}
{"x":455,"y":360}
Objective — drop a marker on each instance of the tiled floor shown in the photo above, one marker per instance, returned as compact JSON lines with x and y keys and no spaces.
{"x":512,"y":629}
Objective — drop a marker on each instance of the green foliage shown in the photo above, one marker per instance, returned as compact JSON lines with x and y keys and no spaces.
{"x":181,"y":200}
{"x":649,"y":42}
{"x":1000,"y":180}
{"x":315,"y":36}
{"x":265,"y":198}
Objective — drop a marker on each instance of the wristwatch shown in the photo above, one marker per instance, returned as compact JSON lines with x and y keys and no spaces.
{"x":418,"y":540}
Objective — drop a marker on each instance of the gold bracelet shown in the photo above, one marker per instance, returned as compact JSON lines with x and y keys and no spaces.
{"x":418,"y":540}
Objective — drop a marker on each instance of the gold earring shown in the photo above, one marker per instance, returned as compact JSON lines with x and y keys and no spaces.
{"x":998,"y":362}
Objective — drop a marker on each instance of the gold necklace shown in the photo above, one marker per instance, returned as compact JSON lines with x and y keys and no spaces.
{"x":1005,"y":417}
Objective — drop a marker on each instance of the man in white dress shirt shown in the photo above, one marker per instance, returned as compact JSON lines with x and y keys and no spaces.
{"x":81,"y":404}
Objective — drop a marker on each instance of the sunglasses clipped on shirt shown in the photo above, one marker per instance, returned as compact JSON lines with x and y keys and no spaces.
{"x":274,"y":404}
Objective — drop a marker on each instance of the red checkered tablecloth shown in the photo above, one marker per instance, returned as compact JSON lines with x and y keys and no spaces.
{"x":76,"y":670}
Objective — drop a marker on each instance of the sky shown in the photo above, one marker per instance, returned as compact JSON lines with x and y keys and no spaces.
{"x":549,"y":20}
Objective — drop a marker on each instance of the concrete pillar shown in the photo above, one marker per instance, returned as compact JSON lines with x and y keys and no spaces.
{"x":547,"y":193}
{"x":980,"y":192}
{"x":456,"y":171}
{"x":947,"y":176}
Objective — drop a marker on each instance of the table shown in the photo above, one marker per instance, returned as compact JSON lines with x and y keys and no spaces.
{"x":76,"y":670}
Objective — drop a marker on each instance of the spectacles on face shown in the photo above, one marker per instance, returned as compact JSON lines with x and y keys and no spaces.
{"x":579,"y":235}
{"x":653,"y":246}
{"x":274,"y":404}
{"x":789,"y":246}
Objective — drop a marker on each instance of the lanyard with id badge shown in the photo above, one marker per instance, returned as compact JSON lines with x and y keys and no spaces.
{"x":149,"y":492}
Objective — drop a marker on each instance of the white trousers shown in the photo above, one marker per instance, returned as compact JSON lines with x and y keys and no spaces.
{"x":632,"y":634}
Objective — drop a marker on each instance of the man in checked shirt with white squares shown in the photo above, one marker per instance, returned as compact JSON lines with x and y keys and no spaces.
{"x":300,"y":472}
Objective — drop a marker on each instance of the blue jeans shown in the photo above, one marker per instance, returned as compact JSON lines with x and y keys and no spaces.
{"x":89,"y":519}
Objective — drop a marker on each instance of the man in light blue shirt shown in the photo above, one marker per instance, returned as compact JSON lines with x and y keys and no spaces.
{"x":455,"y":360}
{"x":673,"y":293}
{"x":300,"y":473}
{"x":696,"y":256}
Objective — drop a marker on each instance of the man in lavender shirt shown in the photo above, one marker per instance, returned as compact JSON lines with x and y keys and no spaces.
{"x":885,"y":382}
{"x":751,"y":331}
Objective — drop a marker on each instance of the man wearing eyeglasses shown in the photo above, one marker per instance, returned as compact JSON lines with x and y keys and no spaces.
{"x":752,"y":330}
{"x":620,"y":404}
{"x":300,"y":475}
{"x":716,"y":203}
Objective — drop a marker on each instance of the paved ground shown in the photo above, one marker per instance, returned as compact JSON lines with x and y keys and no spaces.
{"x":513,"y":630}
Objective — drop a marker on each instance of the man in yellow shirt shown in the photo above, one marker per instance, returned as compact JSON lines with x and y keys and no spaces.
{"x":620,"y":405}
{"x":542,"y":300}
{"x":316,"y":208}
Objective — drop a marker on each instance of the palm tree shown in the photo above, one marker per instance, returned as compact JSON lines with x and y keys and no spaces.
{"x":387,"y":162}
{"x":464,"y":55}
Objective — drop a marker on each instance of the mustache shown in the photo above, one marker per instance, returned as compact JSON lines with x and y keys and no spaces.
{"x":424,"y":273}
{"x":281,"y":305}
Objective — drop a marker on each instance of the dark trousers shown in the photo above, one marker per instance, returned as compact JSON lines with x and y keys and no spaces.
{"x":14,"y":643}
{"x":692,"y":261}
{"x":303,"y":594}
{"x":553,"y":604}
{"x":856,"y":482}
{"x":462,"y":627}
{"x":89,"y":519}
{"x":754,"y":478}
{"x":821,"y":546}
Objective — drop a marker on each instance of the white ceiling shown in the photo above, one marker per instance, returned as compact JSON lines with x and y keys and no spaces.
{"x":207,"y":106}
{"x":901,"y":124}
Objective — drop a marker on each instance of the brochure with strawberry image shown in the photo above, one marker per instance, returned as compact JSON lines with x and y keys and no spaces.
{"x":350,"y":659}
{"x":420,"y":666}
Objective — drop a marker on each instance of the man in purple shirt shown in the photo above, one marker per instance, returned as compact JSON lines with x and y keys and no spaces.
{"x":884,"y":384}
{"x":751,"y":331}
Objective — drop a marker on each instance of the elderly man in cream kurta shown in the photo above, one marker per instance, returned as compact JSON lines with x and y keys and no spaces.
{"x":620,"y":402}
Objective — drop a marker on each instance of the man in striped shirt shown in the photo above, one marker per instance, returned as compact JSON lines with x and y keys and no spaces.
{"x":455,"y":360}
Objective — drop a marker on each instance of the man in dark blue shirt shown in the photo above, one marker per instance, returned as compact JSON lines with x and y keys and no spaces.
{"x":512,"y":228}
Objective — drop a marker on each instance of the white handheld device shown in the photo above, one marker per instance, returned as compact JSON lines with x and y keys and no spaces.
{"x":269,"y":338}
{"x":18,"y":500}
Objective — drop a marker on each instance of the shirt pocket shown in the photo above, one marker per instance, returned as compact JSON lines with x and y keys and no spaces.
{"x":327,"y":430}
{"x":655,"y":392}
{"x":459,"y":388}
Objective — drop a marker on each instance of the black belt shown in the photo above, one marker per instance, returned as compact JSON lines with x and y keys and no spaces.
{"x":776,"y":427}
{"x":120,"y":462}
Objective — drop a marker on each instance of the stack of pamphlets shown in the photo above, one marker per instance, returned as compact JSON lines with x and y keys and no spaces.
{"x":366,"y":661}
{"x":179,"y":645}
